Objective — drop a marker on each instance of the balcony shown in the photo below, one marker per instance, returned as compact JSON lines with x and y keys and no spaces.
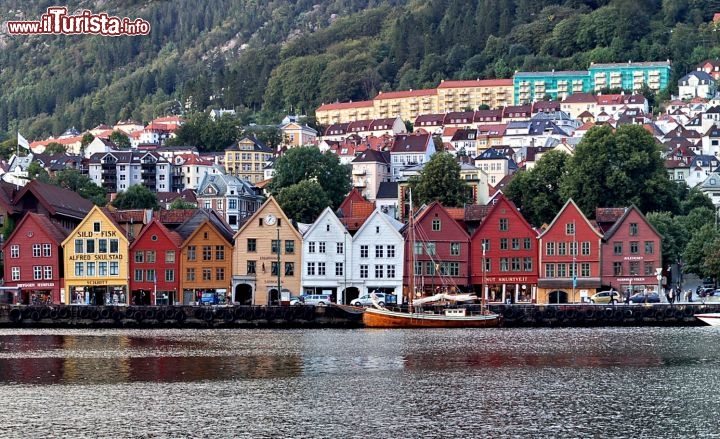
{"x":358,"y":172}
{"x":360,"y":183}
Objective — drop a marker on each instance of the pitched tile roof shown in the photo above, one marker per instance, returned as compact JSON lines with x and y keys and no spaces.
{"x":57,"y":200}
{"x":345,"y":105}
{"x":405,"y":143}
{"x":476,"y":83}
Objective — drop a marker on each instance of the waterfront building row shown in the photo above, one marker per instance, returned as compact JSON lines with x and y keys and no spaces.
{"x":488,"y":249}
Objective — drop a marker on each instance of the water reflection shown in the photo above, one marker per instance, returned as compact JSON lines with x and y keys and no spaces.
{"x":94,"y":359}
{"x":599,"y":382}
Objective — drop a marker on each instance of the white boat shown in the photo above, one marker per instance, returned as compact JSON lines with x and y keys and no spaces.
{"x":712,"y":318}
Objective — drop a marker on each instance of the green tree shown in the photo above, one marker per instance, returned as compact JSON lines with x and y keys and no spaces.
{"x":440,"y":181}
{"x":674,"y":239}
{"x":618,"y":169}
{"x":87,"y":138}
{"x":136,"y":197}
{"x":698,"y":249}
{"x":55,"y":148}
{"x":308,"y":163}
{"x":73,"y":180}
{"x":179,"y":203}
{"x":536,"y":191}
{"x":696,"y":198}
{"x":120,"y":139}
{"x":37,"y":172}
{"x":206,"y":134}
{"x":304,"y":201}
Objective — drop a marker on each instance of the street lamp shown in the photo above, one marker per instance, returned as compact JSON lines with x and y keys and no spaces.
{"x":484,"y":267}
{"x":278,"y":263}
{"x":345,"y":267}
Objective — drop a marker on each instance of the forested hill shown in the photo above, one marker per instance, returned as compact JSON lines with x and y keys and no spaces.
{"x":267,"y":58}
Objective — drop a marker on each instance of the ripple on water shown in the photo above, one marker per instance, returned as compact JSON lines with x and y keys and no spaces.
{"x":614,"y":382}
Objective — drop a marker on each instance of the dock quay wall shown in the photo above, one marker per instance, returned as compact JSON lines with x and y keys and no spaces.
{"x":514,"y":316}
{"x":80,"y":316}
{"x":587,"y":315}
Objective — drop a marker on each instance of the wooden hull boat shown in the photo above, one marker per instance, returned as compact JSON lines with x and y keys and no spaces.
{"x":450,"y":318}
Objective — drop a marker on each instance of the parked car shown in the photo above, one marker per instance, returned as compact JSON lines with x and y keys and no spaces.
{"x":640,"y":297}
{"x":606,"y":297}
{"x":312,"y":299}
{"x":366,"y":300}
{"x":209,"y":298}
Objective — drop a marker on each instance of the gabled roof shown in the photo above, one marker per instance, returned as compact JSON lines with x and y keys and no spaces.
{"x":372,"y":156}
{"x":621,"y":220}
{"x":570,"y":204}
{"x":605,"y":217}
{"x":405,"y":94}
{"x":192,"y":225}
{"x":57,"y":234}
{"x":487,"y":210}
{"x":354,"y":210}
{"x":459,"y":215}
{"x":387,"y":190}
{"x":405,"y":143}
{"x":172,"y":236}
{"x":580,"y":98}
{"x":258,"y":146}
{"x":476,"y":83}
{"x":56,"y":200}
{"x":345,"y":105}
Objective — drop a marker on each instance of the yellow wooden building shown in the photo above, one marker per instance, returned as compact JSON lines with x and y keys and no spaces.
{"x":96,"y":262}
{"x":267,"y":257}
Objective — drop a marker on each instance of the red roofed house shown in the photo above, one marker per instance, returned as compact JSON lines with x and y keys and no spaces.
{"x":569,"y":261}
{"x":632,"y":252}
{"x":437,"y":253}
{"x":34,"y":261}
{"x":155,"y":265}
{"x":354,"y":210}
{"x":504,"y":255}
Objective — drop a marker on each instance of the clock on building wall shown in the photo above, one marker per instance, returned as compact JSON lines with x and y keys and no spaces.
{"x":270,"y":219}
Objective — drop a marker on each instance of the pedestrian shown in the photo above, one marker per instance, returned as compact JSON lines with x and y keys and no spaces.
{"x":627,"y":296}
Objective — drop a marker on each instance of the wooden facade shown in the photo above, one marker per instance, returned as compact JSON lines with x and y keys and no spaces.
{"x":96,"y":255}
{"x":569,"y":258}
{"x":437,"y":253}
{"x":632,"y":253}
{"x":267,"y":241}
{"x":206,"y":257}
{"x":504,"y":259}
{"x":155,"y":266}
{"x":33,"y":260}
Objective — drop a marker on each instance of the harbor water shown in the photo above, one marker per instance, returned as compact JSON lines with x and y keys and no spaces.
{"x":361,"y":383}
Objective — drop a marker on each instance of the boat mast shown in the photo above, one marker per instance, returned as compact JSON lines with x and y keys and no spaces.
{"x":411,"y":235}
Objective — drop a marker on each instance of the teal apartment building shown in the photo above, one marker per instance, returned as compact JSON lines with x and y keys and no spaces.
{"x":534,"y":86}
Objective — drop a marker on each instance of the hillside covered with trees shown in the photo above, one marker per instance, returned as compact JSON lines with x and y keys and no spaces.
{"x":284,"y":56}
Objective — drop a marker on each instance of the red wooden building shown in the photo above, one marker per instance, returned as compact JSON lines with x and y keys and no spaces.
{"x":34,"y":260}
{"x":504,"y":255}
{"x":437,"y":253}
{"x":632,"y":252}
{"x":569,"y":258}
{"x":155,"y":266}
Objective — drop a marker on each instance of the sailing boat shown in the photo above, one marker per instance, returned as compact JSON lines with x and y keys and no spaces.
{"x":436,"y":315}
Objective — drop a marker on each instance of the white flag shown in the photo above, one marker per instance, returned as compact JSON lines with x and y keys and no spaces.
{"x":23,"y":141}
